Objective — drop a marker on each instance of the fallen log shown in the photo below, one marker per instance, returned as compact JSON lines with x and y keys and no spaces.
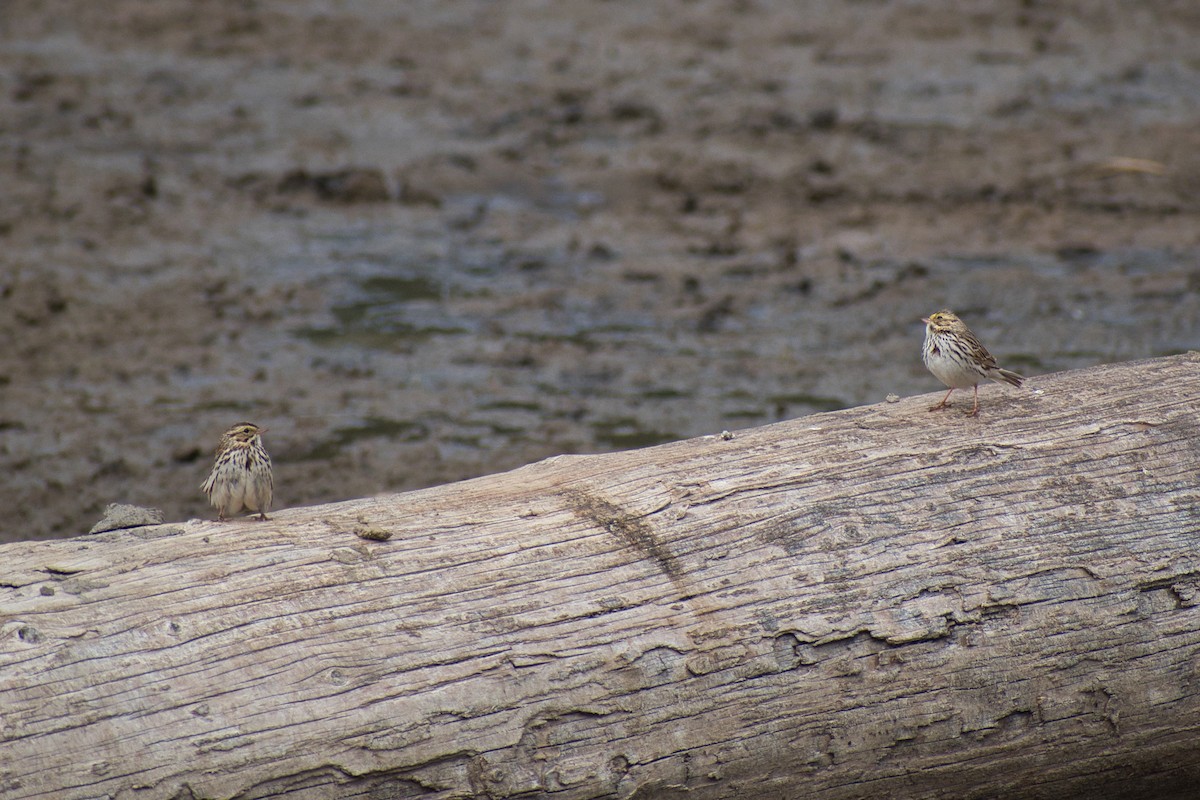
{"x":877,"y":602}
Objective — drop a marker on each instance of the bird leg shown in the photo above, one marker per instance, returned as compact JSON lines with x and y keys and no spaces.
{"x":975,"y":410}
{"x":944,"y":404}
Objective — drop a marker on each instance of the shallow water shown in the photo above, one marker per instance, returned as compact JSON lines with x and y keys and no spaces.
{"x":510,"y":340}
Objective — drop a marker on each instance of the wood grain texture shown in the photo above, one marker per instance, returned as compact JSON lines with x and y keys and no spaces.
{"x":877,"y":602}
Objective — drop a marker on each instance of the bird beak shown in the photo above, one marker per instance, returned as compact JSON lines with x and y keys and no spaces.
{"x":925,"y":320}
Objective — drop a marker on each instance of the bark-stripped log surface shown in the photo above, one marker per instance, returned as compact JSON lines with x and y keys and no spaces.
{"x":879,"y":602}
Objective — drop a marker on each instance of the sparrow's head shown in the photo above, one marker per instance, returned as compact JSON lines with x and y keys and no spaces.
{"x":944,"y":322}
{"x":244,"y":432}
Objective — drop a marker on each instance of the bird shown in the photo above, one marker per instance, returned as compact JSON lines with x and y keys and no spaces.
{"x":956,"y":358}
{"x":241,"y":473}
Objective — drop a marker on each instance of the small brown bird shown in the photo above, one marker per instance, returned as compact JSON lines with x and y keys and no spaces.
{"x":241,"y":473}
{"x":957,"y":359}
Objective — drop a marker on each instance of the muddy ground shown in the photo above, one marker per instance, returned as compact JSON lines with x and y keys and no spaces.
{"x":423,"y":241}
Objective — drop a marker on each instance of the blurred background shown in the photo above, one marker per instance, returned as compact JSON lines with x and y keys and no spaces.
{"x":423,"y":241}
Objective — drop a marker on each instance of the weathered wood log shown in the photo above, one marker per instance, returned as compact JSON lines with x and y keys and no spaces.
{"x":878,"y":602}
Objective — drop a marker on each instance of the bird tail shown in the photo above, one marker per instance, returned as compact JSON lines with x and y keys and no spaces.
{"x":1008,"y":377}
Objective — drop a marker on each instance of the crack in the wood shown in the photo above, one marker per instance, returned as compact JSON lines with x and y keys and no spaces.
{"x":1123,"y":426}
{"x":1168,"y":582}
{"x":333,"y":779}
{"x":1052,"y":568}
{"x":63,"y":570}
{"x":754,"y":490}
{"x":1182,"y":588}
{"x":608,"y":608}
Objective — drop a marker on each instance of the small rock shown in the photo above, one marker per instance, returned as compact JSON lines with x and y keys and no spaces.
{"x":121,"y":515}
{"x":363,"y":529}
{"x":373,"y":534}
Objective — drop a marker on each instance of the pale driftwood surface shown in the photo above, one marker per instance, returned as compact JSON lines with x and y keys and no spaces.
{"x":879,"y":602}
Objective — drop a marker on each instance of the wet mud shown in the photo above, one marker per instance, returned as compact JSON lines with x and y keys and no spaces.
{"x":424,"y":241}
